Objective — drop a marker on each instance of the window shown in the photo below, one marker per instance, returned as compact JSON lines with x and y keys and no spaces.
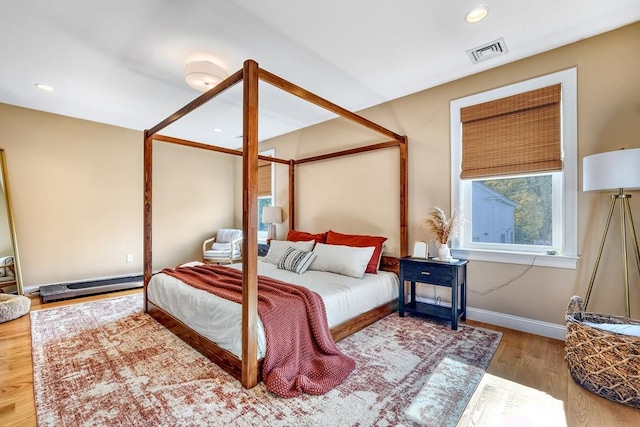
{"x":514,"y":172}
{"x":265,"y":192}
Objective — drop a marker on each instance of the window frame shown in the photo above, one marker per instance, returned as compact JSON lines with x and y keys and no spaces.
{"x":262,"y":235}
{"x":565,"y":201}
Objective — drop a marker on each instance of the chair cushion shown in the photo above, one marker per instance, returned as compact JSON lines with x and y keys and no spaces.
{"x":213,"y":253}
{"x":221,"y":246}
{"x":227,"y":235}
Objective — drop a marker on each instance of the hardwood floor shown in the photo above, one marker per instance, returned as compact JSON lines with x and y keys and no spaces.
{"x":527,"y":382}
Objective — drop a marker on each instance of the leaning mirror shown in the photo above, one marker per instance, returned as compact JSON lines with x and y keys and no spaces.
{"x":10,"y":277}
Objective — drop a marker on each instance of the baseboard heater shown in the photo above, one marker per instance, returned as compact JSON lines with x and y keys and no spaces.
{"x":61,"y":291}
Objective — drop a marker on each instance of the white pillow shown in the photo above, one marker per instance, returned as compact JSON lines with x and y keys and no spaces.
{"x":296,"y":260}
{"x":618,"y":328}
{"x":346,"y":260}
{"x":277,"y":249}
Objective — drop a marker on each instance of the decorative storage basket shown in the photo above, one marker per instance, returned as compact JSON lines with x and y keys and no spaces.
{"x":605,"y":363}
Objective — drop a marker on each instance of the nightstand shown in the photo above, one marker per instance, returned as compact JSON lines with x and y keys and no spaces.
{"x":263,"y":248}
{"x":448,"y":274}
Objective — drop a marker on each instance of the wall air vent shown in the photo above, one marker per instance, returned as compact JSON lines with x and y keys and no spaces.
{"x":487,"y":50}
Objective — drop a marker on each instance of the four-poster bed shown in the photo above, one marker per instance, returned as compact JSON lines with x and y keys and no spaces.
{"x":247,"y":368}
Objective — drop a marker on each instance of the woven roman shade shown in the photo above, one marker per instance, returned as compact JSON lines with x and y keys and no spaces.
{"x":513,"y":135}
{"x":264,"y":178}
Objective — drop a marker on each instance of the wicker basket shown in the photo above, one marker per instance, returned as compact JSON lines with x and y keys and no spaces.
{"x":605,"y":363}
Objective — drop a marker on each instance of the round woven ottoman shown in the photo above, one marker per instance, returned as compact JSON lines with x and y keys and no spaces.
{"x":13,"y":306}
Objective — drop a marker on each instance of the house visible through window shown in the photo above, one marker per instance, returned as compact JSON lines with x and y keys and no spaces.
{"x":514,"y":172}
{"x":513,"y":211}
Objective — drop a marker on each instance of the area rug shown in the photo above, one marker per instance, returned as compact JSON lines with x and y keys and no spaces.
{"x":108,"y":363}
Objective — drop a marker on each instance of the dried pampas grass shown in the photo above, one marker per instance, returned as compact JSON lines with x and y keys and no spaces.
{"x":439,"y":226}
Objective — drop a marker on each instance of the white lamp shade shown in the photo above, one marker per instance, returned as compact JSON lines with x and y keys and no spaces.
{"x":611,"y":170}
{"x":203,"y":75}
{"x":271,"y":215}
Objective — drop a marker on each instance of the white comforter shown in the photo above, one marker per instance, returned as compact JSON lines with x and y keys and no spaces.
{"x":220,"y":320}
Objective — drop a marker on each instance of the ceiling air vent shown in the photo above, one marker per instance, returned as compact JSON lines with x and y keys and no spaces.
{"x":488,"y":50}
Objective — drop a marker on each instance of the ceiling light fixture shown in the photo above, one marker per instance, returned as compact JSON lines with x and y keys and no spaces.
{"x":476,"y":14}
{"x":44,"y":87}
{"x":203,"y":75}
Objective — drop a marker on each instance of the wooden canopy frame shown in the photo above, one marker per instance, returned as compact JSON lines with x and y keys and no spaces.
{"x":247,"y":369}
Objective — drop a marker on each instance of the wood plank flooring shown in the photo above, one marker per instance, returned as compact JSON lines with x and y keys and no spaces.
{"x":527,"y":382}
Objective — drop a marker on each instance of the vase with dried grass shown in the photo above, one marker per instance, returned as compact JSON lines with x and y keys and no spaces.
{"x":442,"y":229}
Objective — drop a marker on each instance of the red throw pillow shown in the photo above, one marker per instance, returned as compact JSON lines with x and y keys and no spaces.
{"x":303,"y":236}
{"x":360,"y":241}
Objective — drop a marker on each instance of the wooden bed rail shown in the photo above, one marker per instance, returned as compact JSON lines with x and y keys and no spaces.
{"x":224,"y":150}
{"x":296,"y":90}
{"x":348,"y":152}
{"x":227,"y":83}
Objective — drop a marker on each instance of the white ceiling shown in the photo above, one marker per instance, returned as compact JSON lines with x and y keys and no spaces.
{"x":122,"y":62}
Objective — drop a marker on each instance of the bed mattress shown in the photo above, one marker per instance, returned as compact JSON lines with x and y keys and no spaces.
{"x":219,"y":320}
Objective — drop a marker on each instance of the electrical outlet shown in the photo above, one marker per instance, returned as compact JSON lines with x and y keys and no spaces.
{"x":129,"y":257}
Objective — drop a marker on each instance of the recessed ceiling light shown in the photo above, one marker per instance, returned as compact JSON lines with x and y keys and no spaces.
{"x":217,"y":130}
{"x":476,"y":14}
{"x":44,"y":87}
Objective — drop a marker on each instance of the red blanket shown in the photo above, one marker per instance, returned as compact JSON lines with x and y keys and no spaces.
{"x":301,"y":355}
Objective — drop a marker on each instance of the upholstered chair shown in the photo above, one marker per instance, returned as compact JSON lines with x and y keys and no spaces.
{"x":224,"y":248}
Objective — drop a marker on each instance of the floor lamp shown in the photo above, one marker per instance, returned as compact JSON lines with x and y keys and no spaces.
{"x":615,"y":170}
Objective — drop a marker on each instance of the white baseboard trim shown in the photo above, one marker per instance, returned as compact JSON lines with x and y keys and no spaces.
{"x":537,"y":327}
{"x":545,"y":329}
{"x":31,"y":289}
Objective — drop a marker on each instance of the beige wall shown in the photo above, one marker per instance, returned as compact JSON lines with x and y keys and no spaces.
{"x":608,"y":118}
{"x":353,"y":194}
{"x":77,"y":197}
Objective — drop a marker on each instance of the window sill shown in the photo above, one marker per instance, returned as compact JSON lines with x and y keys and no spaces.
{"x":542,"y":260}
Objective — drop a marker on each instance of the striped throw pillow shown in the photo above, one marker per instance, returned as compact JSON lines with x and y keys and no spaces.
{"x":296,"y":260}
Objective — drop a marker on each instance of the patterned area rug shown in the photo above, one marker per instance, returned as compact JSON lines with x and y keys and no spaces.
{"x":108,"y":363}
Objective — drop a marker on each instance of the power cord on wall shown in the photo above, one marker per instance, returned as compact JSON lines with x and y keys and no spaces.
{"x":508,"y":282}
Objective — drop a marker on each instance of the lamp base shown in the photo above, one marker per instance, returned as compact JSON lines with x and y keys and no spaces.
{"x":271,"y":233}
{"x":625,"y":216}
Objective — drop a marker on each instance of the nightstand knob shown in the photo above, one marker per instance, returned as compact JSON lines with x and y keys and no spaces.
{"x":426,"y":273}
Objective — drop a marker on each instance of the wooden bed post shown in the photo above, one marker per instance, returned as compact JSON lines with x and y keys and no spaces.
{"x":292,"y":195}
{"x":249,"y":377}
{"x":147,"y":248}
{"x":404,"y":188}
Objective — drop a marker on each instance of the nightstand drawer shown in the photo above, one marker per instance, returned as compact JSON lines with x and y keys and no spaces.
{"x":429,"y":273}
